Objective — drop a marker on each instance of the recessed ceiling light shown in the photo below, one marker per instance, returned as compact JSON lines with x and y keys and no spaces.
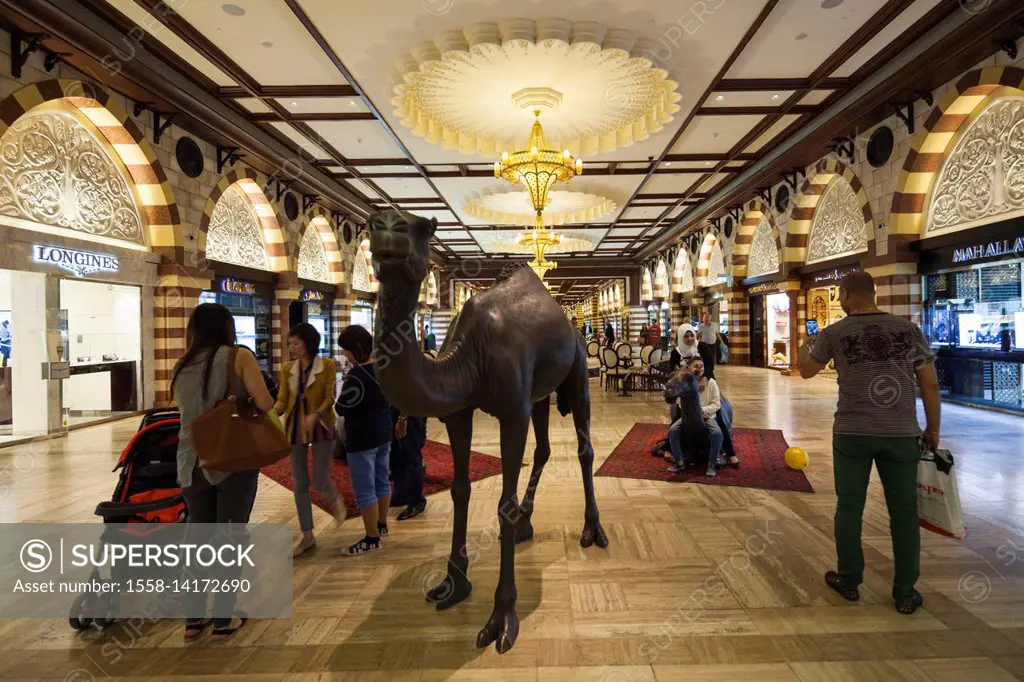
{"x":801,"y":36}
{"x":707,"y":163}
{"x":719,"y":98}
{"x":233,"y":10}
{"x":775,"y":96}
{"x":266,"y":43}
{"x":352,"y":103}
{"x":668,"y":163}
{"x":294,"y":103}
{"x":829,"y":4}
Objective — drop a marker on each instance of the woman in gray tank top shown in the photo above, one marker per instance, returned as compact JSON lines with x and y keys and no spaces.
{"x":213,"y":496}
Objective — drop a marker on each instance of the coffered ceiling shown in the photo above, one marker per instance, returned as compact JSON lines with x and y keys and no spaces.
{"x":320,"y":75}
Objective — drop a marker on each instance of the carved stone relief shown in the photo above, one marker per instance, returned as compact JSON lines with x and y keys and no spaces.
{"x":764,"y":252}
{"x":839,"y":228}
{"x":235,"y":235}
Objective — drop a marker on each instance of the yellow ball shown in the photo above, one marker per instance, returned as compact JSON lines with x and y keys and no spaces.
{"x":796,"y":458}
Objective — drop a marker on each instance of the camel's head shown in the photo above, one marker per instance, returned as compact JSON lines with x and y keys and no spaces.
{"x":400,"y":243}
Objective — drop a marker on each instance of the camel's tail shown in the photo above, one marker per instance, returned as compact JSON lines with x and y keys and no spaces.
{"x":578,"y":365}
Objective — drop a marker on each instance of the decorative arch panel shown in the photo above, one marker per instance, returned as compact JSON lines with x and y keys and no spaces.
{"x":764,"y":250}
{"x":838,"y":228}
{"x":244,"y":183}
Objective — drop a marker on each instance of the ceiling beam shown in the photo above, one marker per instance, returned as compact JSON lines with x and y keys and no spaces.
{"x":282,"y":91}
{"x":754,"y":111}
{"x":715,"y":82}
{"x":262,"y":116}
{"x":959,"y":34}
{"x":90,"y":33}
{"x":778,"y":84}
{"x":878,"y":21}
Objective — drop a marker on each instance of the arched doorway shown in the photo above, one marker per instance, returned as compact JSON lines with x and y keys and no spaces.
{"x":320,"y":273}
{"x":83,"y":205}
{"x":241,"y":243}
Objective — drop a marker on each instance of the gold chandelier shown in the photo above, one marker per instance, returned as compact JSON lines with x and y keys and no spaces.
{"x":538,"y":169}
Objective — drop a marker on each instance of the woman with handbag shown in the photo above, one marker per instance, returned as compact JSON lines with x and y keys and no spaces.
{"x":368,"y":433}
{"x":200,"y":381}
{"x":305,"y":398}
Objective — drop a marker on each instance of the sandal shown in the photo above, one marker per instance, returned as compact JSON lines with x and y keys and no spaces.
{"x":833,"y":580}
{"x":227,"y":631}
{"x":908,"y":608}
{"x":194,"y":629}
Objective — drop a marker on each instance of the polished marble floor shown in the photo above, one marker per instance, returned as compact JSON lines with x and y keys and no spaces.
{"x":699,"y":583}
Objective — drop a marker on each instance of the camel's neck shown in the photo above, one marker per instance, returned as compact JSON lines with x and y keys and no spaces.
{"x":412,"y":382}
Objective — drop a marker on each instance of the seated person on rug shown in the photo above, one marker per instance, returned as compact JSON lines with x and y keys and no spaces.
{"x":715,"y":410}
{"x":723,"y":416}
{"x":407,"y":464}
{"x":689,"y":437}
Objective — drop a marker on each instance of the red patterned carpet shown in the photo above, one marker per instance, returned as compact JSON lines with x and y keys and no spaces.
{"x":761,"y":453}
{"x":437,"y":458}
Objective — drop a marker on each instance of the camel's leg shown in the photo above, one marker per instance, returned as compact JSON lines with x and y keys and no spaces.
{"x":503,"y":625}
{"x":578,"y":396}
{"x":456,"y":586}
{"x":541,"y":413}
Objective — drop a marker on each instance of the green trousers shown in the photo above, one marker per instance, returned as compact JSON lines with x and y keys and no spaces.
{"x":896,"y":459}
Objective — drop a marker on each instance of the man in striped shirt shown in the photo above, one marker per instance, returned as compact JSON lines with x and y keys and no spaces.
{"x":881,"y":359}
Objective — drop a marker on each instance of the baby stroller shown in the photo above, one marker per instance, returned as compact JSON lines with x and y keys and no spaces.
{"x":147,"y":492}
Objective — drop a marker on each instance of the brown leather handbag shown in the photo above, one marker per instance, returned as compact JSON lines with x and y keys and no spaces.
{"x":235,"y":435}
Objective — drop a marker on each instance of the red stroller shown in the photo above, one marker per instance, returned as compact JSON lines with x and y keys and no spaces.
{"x":147,"y":492}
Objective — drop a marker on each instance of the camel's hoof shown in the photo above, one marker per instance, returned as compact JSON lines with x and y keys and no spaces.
{"x":593,"y":534}
{"x":500,"y":629}
{"x":523,"y":530}
{"x":449,"y":592}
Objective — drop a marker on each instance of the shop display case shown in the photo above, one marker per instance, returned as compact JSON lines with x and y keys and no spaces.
{"x":778,"y":330}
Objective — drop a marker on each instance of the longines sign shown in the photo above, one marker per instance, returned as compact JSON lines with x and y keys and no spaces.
{"x":996,"y":249}
{"x":78,"y":263}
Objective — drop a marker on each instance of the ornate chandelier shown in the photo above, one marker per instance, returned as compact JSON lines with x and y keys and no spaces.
{"x":538,"y":169}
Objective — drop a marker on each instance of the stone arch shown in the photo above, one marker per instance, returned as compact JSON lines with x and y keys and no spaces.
{"x":248,"y":181}
{"x":932,"y":145}
{"x":706,"y":262}
{"x":320,"y":221}
{"x":155,"y":196}
{"x":646,"y":286}
{"x":661,"y":280}
{"x":682,"y":273}
{"x":806,"y":205}
{"x":757,"y":211}
{"x":362,"y":265}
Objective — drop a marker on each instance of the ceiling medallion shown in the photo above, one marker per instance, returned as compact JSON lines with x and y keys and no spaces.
{"x":514,"y":207}
{"x":457,"y":90}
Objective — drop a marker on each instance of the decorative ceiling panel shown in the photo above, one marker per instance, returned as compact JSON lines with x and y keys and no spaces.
{"x":56,"y":172}
{"x":764,"y":252}
{"x":313,"y":257}
{"x":880,"y":40}
{"x":838,"y":229}
{"x":714,"y":134}
{"x":799,"y":35}
{"x":235,"y":235}
{"x":266,"y":40}
{"x":771,"y":133}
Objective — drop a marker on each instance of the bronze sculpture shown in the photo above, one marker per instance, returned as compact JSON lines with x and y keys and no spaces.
{"x":508,"y":349}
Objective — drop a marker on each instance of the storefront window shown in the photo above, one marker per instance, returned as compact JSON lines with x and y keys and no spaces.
{"x":252,"y":319}
{"x":778,"y":329}
{"x":975,"y":308}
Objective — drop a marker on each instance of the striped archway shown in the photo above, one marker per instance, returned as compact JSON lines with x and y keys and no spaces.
{"x":756,"y":210}
{"x":154,"y":193}
{"x":363,"y":257}
{"x":661,"y":280}
{"x":936,"y":140}
{"x":646,"y":286}
{"x":248,"y":181}
{"x":806,"y":206}
{"x":320,"y":220}
{"x":707,"y":248}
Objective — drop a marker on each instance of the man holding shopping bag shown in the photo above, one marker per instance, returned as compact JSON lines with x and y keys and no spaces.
{"x":880,"y":359}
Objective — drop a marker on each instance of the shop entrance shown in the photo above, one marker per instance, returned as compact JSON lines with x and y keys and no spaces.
{"x":757,"y":344}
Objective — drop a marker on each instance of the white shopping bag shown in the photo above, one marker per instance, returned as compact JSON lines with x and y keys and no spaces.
{"x":938,"y":502}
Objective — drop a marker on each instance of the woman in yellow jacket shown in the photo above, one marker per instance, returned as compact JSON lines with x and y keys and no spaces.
{"x":306,"y":403}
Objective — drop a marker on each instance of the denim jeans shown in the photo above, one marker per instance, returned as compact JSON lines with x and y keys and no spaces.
{"x":369,"y":472}
{"x":715,"y":435}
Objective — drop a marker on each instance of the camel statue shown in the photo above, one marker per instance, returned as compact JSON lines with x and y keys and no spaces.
{"x":507,"y":351}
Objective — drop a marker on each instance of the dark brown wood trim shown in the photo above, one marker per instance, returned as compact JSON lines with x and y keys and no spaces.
{"x":262,"y":116}
{"x":285,"y":91}
{"x":716,"y":81}
{"x":776,"y":84}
